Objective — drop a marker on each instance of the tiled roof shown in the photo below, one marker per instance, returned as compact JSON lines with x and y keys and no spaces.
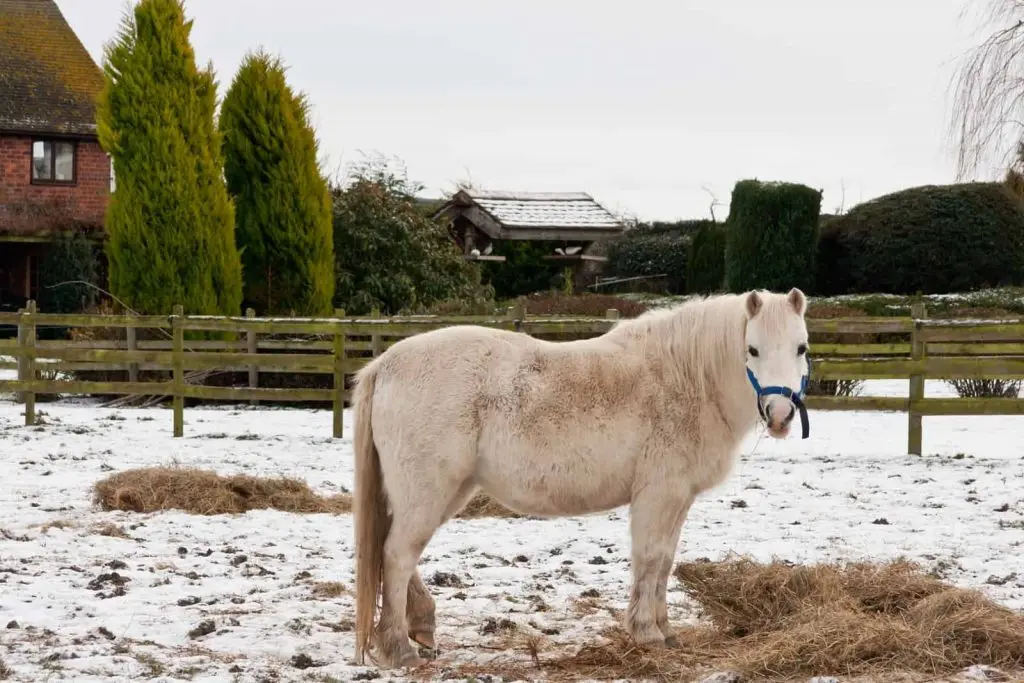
{"x":48,"y":81}
{"x":545,"y":210}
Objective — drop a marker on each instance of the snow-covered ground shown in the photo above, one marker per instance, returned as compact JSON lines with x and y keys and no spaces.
{"x":82,"y":606}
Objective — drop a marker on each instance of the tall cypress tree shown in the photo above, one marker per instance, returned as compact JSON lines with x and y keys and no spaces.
{"x":170,"y":222}
{"x":282,"y":201}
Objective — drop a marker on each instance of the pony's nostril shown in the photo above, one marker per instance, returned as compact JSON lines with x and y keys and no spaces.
{"x":792,"y":414}
{"x":768,"y":411}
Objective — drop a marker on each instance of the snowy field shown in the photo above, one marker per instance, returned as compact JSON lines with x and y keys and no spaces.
{"x":255,"y":597}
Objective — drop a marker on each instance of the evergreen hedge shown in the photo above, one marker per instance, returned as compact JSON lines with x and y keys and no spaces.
{"x":170,"y":223}
{"x":772,"y":236}
{"x":705,"y":272}
{"x":932,"y":239}
{"x":282,"y":202}
{"x":661,"y":248}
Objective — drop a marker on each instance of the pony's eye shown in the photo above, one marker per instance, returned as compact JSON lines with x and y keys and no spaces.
{"x":801,"y":350}
{"x":752,"y":351}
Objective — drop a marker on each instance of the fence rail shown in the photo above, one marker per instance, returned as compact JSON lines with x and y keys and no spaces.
{"x":913,"y":348}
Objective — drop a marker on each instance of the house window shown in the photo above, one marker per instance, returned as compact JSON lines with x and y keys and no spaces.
{"x":53,"y":161}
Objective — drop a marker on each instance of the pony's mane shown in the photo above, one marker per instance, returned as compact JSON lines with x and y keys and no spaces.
{"x":699,"y":340}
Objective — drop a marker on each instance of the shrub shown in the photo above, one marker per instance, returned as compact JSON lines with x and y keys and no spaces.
{"x":705,"y":272}
{"x":388,"y":254}
{"x":929,"y":239}
{"x":282,"y":203}
{"x":985,"y":388}
{"x":70,"y":261}
{"x":170,"y":223}
{"x":772,"y":236}
{"x":834,"y":387}
{"x":654,"y":250}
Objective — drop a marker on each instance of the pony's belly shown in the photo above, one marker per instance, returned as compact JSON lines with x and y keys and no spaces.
{"x":556,"y":482}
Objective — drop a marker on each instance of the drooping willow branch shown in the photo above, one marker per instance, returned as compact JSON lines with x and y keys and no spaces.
{"x":988,"y":107}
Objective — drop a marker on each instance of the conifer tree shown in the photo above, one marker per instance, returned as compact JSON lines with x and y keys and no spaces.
{"x":170,"y":221}
{"x":282,"y":201}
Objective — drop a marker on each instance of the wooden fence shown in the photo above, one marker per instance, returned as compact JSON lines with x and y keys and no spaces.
{"x":913,"y":348}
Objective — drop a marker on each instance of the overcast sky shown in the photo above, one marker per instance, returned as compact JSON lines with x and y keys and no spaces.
{"x":641,"y":103}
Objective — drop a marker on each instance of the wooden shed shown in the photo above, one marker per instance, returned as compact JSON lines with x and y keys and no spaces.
{"x":570,"y":221}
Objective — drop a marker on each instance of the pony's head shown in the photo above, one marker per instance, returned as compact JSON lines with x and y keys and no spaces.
{"x":777,"y":364}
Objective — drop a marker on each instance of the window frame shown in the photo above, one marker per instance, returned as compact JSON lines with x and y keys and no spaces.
{"x":52,"y":180}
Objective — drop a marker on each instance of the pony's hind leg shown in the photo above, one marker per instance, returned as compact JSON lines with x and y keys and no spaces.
{"x":409,"y":534}
{"x":421,"y":608}
{"x":656,"y":517}
{"x":420,"y":613}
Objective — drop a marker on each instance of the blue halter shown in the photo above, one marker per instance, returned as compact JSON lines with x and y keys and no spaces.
{"x":797,"y":397}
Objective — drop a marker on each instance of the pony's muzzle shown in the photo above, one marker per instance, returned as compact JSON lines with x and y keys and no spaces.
{"x":779,"y":413}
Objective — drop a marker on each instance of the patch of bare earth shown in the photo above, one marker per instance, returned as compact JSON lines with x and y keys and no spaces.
{"x":204,"y":492}
{"x":779,"y":621}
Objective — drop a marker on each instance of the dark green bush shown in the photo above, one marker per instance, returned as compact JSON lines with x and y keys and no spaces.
{"x":932,"y":239}
{"x":654,"y":250}
{"x":388,"y":254}
{"x":772,"y":236}
{"x":705,"y":272}
{"x":69,"y":273}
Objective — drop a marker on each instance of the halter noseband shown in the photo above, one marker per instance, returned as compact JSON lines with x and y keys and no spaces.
{"x":797,"y":397}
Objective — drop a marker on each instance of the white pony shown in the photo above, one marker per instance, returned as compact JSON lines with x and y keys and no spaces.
{"x":649,"y":414}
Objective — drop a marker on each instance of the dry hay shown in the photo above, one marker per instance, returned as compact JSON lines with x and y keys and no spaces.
{"x":204,"y":492}
{"x":780,"y":621}
{"x":482,"y":505}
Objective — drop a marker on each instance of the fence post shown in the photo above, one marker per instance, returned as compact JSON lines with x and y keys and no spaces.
{"x":519,"y":315}
{"x":339,"y":375}
{"x":132,"y":337}
{"x":26,"y":360}
{"x":178,"y":382}
{"x":252,"y":347}
{"x":917,"y":352}
{"x":612,"y":314}
{"x":375,"y":339}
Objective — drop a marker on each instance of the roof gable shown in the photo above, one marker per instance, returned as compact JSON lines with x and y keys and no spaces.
{"x":48,"y":81}
{"x":544,"y":215}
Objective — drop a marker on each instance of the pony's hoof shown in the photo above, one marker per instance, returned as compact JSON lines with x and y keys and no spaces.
{"x":672,"y":643}
{"x":406,"y":659}
{"x":424,"y":639}
{"x":427,"y":646}
{"x":411,"y":661}
{"x":652,"y":641}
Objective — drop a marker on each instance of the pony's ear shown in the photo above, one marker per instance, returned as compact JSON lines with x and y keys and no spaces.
{"x":797,"y":300}
{"x":754,"y":304}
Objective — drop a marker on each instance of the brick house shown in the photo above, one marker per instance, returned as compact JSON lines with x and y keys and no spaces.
{"x":54,"y":176}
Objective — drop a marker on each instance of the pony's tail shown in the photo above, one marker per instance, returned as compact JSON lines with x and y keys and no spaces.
{"x":370,"y":512}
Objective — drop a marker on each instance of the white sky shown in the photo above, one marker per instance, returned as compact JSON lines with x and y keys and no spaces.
{"x":641,"y":103}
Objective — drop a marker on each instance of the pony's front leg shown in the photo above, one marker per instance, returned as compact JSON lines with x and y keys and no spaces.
{"x":666,"y":570}
{"x":656,"y":518}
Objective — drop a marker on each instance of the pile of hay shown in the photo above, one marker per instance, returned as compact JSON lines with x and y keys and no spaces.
{"x":778,"y":621}
{"x":482,"y":505}
{"x":204,"y":492}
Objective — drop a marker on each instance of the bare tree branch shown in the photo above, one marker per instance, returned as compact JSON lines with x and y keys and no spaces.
{"x":714,"y":201}
{"x":989,"y":92}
